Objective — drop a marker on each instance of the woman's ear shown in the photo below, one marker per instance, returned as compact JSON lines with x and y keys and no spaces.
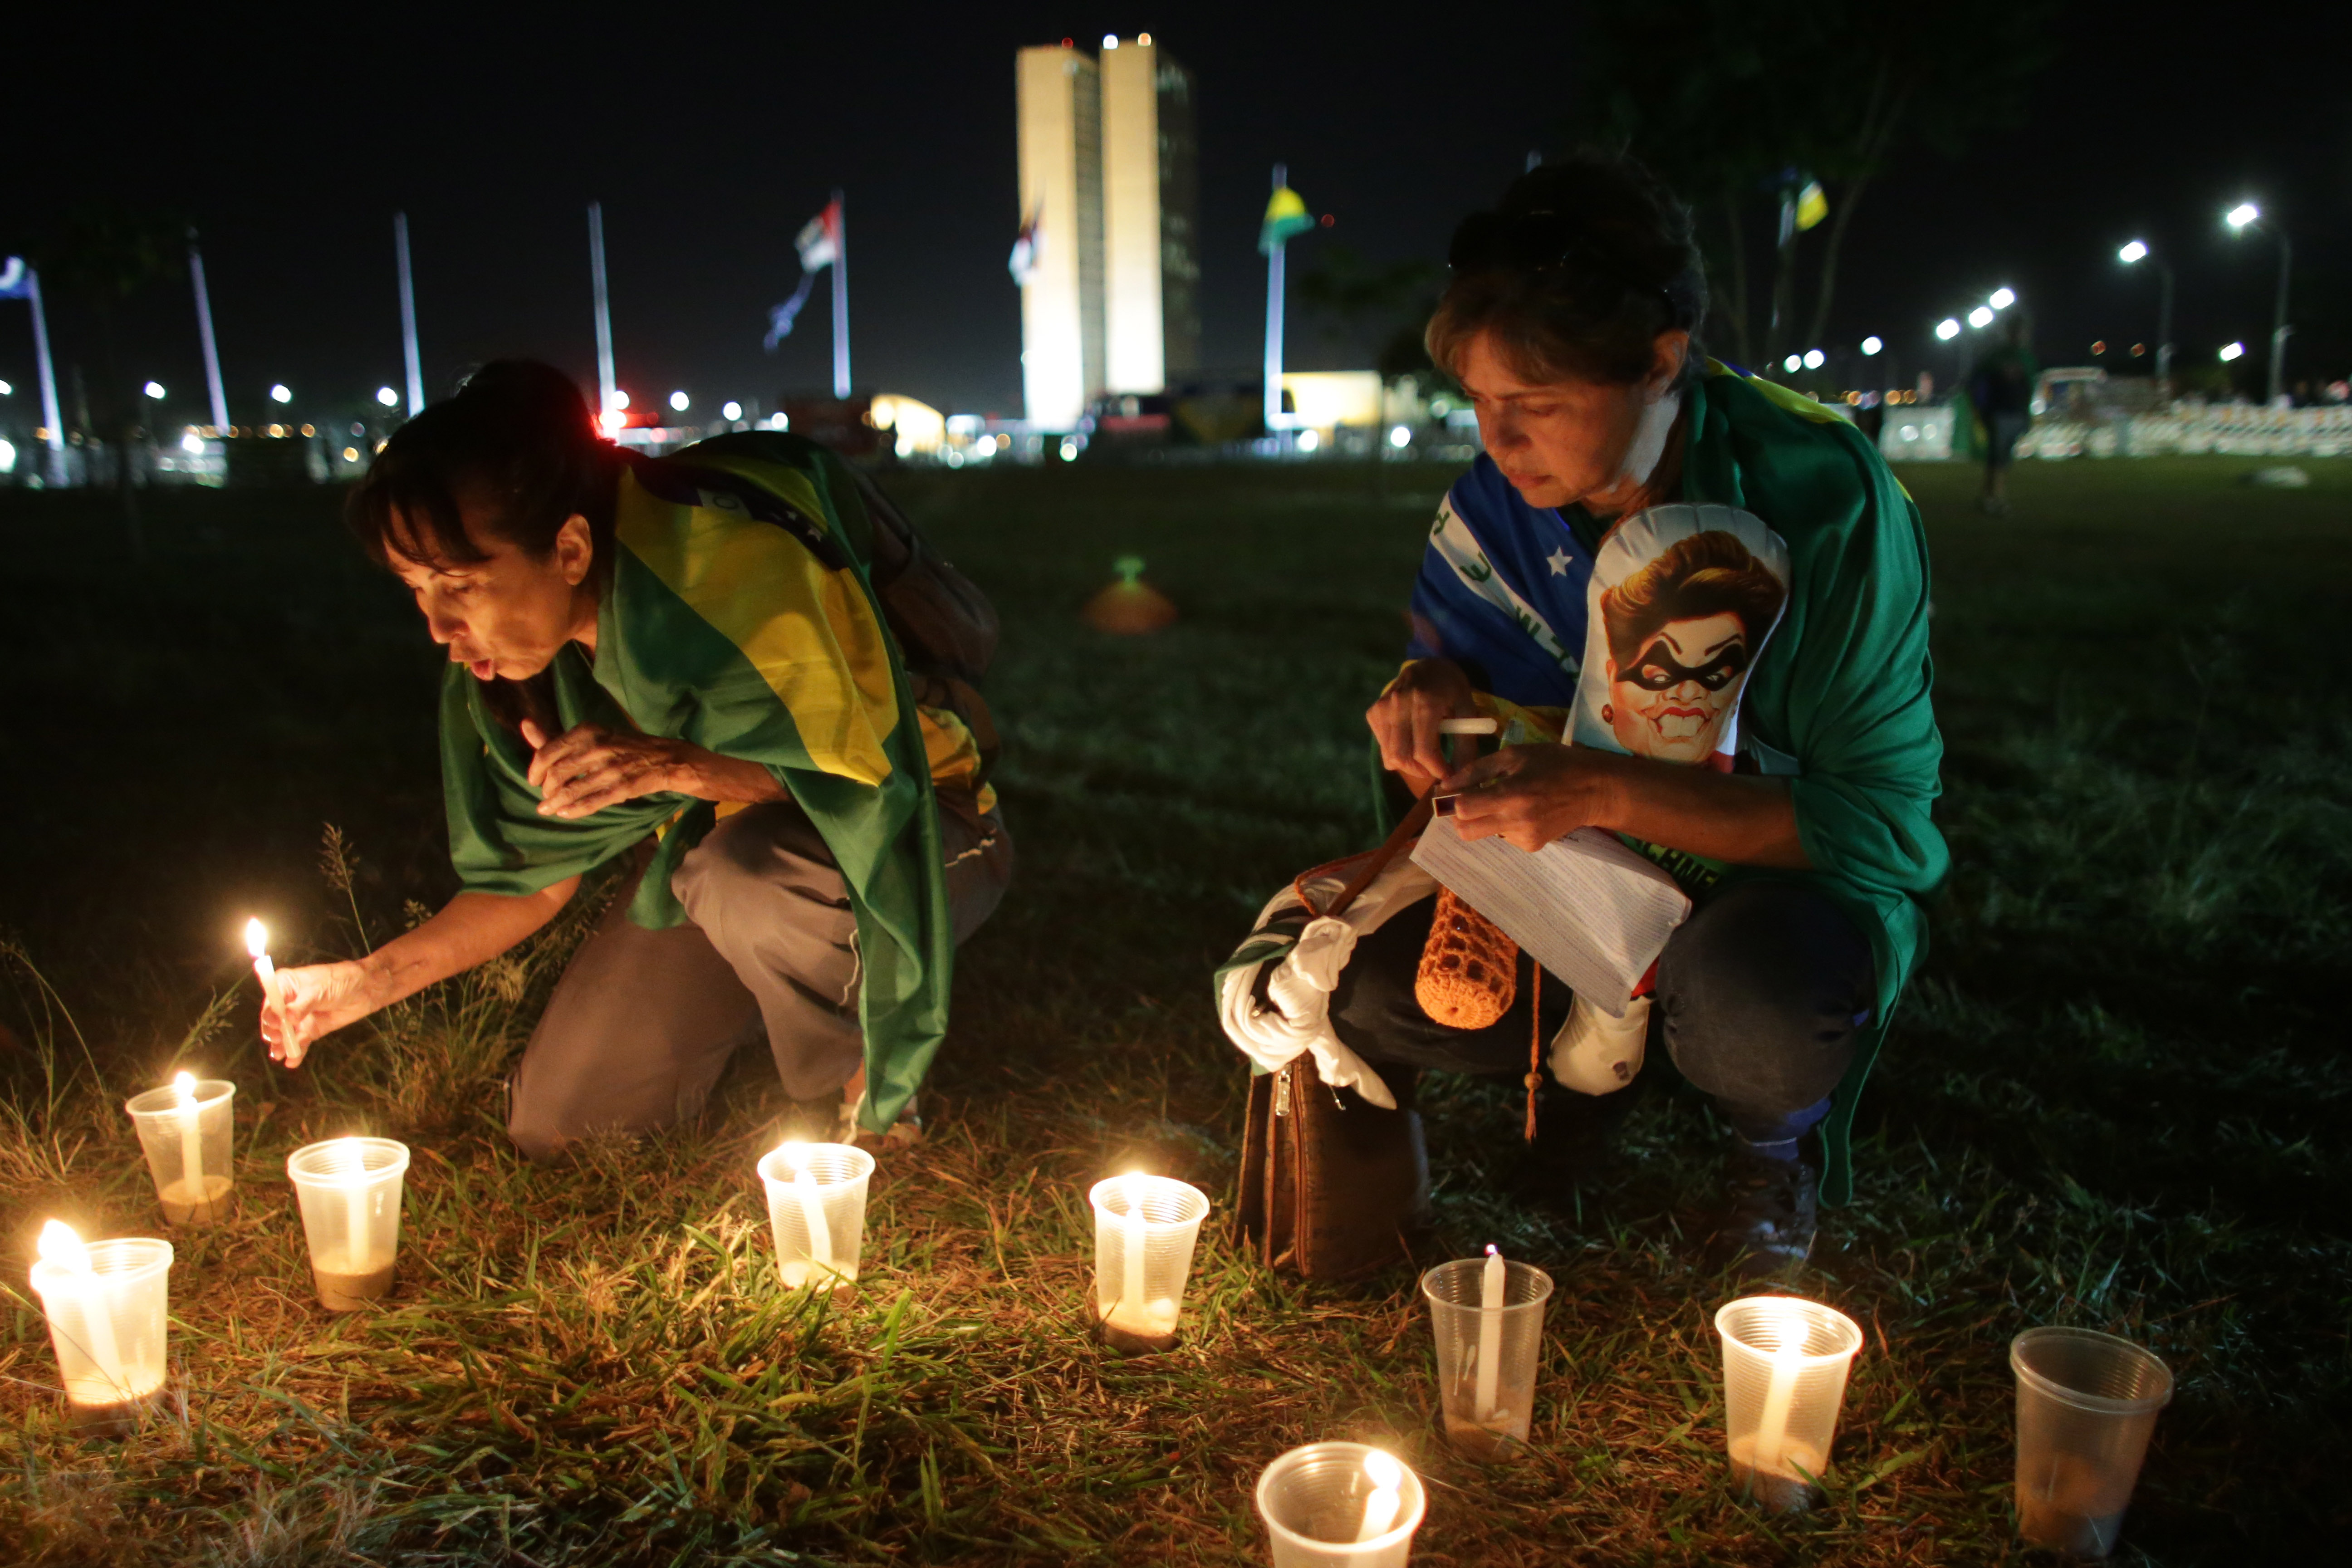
{"x":575,"y":550}
{"x":1669,"y":352}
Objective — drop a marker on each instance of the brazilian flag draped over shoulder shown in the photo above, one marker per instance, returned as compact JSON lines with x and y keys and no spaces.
{"x":738,"y":617}
{"x":1285,"y":214}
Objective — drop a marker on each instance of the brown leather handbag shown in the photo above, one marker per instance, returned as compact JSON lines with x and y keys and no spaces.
{"x":1329,"y":1180}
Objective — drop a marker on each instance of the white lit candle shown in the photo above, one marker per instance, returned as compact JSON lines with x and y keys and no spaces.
{"x":1492,"y":1285}
{"x":191,"y":1141}
{"x":62,"y":1248}
{"x":273,"y":995}
{"x":1132,"y":1236}
{"x":812,"y":1202}
{"x":1779,"y":1395}
{"x":1380,"y":1509}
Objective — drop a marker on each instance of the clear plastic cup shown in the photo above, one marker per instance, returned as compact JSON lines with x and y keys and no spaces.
{"x":1314,"y":1501}
{"x":1468,"y":1336}
{"x":2085,"y":1404}
{"x":816,"y":1206}
{"x":350,"y":1190}
{"x":107,"y":1325}
{"x":1145,"y":1228}
{"x":1784,"y":1365}
{"x":190,"y":1145}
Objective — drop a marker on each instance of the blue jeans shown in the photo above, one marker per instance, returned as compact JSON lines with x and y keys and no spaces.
{"x":1759,"y":996}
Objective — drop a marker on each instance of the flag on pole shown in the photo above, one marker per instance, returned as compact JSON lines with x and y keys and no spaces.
{"x":1028,"y":250}
{"x":16,"y":279}
{"x":1813,"y":205}
{"x":1285,"y":214}
{"x":818,"y":245}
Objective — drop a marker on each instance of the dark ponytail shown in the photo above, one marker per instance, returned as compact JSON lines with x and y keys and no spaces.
{"x":516,"y":443}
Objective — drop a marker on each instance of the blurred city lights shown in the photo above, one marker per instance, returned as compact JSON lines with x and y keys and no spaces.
{"x":679,"y":401}
{"x":2232,"y":351}
{"x":1308,"y":440}
{"x":2242,"y":215}
{"x":386,"y":396}
{"x":731,"y":410}
{"x":154,"y":389}
{"x":7,"y":390}
{"x":984,"y":447}
{"x":1981,"y":316}
{"x":1871,"y":345}
{"x":279,"y":394}
{"x":193,"y":445}
{"x":1791,"y":362}
{"x":2002,"y":299}
{"x":2136,"y":251}
{"x":1948,"y":329}
{"x":620,"y":399}
{"x":1110,"y":40}
{"x":1144,"y":38}
{"x":7,"y":457}
{"x":1815,"y":359}
{"x":1069,"y":448}
{"x":614,"y":421}
{"x":1399,"y":437}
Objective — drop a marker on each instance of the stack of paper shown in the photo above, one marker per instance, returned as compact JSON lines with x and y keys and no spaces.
{"x":1594,"y":912}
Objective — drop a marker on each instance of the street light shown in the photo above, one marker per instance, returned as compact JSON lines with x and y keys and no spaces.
{"x":154,"y":389}
{"x":2233,"y":351}
{"x":732,"y":412}
{"x":2239,"y":218}
{"x":386,"y":396}
{"x":1870,"y":347}
{"x":1815,"y":359}
{"x":679,"y":401}
{"x":1947,"y":330}
{"x":2131,"y":255}
{"x":281,"y":393}
{"x":1791,"y":364}
{"x":1980,"y":317}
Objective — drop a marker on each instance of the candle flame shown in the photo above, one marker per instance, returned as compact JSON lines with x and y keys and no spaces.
{"x":1383,"y":1470}
{"x":61,"y":1247}
{"x":183,"y":1088}
{"x":257,"y":938}
{"x":1787,"y":1325}
{"x":351,"y":1157}
{"x":796,"y":1155}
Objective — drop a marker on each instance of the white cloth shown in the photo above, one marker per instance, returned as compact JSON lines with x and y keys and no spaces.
{"x":1596,"y":1054}
{"x":1303,"y":980}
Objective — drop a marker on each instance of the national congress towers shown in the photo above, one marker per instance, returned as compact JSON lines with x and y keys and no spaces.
{"x":1109,"y":212}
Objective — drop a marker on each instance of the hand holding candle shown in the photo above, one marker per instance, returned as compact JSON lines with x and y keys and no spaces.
{"x":273,"y":995}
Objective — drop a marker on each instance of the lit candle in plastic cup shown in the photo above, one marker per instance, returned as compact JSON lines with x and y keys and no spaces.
{"x":107,"y":1303}
{"x":188,"y":1130}
{"x":1321,"y":1503}
{"x":1145,"y":1227}
{"x":1489,"y":1316}
{"x":351,"y":1191}
{"x":1784,"y":1365}
{"x":816,"y":1207}
{"x":2085,"y":1404}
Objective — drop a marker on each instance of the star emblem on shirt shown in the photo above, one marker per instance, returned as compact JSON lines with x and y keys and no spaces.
{"x":1558,"y":562}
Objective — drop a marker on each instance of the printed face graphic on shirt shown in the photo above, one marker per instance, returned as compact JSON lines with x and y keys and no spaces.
{"x":1670,"y":702}
{"x":1684,"y":599}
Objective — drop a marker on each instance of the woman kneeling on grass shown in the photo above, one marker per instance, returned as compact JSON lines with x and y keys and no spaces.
{"x":1649,"y":537}
{"x":679,"y":663}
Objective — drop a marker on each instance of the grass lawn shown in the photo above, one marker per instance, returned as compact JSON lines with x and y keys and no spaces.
{"x":2115,"y":1098}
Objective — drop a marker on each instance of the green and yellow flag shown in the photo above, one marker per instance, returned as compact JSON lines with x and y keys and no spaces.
{"x":1285,"y":214}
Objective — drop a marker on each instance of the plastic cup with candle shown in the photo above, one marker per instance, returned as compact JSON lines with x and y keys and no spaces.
{"x":188,"y":1131}
{"x":816,"y":1207}
{"x":108,"y":1304}
{"x":2085,"y":1404}
{"x":1340,"y":1505}
{"x":1489,"y":1316}
{"x":350,"y":1190}
{"x":1145,"y":1228}
{"x":1784,"y":1368}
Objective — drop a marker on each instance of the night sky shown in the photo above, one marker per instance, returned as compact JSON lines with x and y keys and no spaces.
{"x":712,"y":138}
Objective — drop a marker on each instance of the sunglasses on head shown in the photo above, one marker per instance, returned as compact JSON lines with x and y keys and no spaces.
{"x":1541,"y":241}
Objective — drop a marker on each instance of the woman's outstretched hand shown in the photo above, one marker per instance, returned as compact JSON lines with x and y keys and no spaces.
{"x":1406,"y":718}
{"x":320,"y":998}
{"x":1533,"y":795}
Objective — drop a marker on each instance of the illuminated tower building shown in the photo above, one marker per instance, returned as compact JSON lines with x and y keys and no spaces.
{"x":1111,"y":202}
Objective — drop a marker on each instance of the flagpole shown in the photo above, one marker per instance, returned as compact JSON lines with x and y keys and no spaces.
{"x":205,"y":335}
{"x":51,"y":415}
{"x":605,"y":383}
{"x":840,"y":298}
{"x":408,"y":318}
{"x":1274,"y":318}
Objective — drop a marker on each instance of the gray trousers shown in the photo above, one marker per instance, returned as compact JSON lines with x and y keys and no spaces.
{"x":642,"y":1022}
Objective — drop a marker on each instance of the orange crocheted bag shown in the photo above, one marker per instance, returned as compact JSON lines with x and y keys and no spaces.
{"x":1469,"y":970}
